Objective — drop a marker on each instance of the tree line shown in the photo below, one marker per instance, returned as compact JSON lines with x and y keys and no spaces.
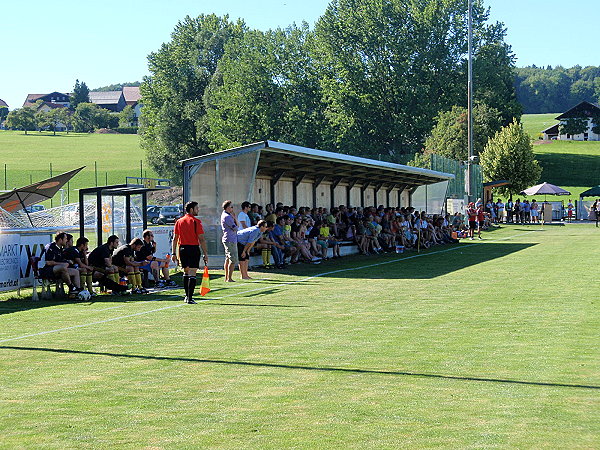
{"x":555,"y":90}
{"x":368,"y":80}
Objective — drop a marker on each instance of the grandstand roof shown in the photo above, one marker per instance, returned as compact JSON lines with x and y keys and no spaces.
{"x":277,"y":158}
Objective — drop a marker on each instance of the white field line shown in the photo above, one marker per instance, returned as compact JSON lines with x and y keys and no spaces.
{"x":261,"y":288}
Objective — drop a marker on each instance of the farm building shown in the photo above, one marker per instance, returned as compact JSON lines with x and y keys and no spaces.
{"x":270,"y":172}
{"x":588,"y":112}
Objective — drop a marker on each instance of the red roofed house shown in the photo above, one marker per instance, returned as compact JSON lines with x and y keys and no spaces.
{"x":55,"y":97}
{"x":132,"y":98}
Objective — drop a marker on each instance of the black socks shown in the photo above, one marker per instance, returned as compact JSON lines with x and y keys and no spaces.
{"x":191,"y":286}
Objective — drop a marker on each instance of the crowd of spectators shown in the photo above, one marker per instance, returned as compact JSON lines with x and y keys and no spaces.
{"x":287,"y":235}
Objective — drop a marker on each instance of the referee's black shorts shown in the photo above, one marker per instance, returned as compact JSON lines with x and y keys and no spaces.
{"x":189,"y":256}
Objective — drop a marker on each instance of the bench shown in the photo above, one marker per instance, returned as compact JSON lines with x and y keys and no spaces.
{"x":45,"y":283}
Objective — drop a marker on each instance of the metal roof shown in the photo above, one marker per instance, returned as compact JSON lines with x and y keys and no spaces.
{"x":278,"y":159}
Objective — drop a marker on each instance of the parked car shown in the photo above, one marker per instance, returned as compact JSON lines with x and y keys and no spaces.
{"x":152,"y":213}
{"x":35,"y":208}
{"x":168,"y":214}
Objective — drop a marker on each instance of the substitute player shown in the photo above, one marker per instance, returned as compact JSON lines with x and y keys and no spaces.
{"x":188,"y":237}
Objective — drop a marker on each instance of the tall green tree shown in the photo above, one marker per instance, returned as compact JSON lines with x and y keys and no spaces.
{"x":174,"y":123}
{"x":89,"y":117}
{"x":81,"y":94}
{"x":127,"y":117}
{"x":389,"y":66}
{"x":266,"y":87}
{"x":21,"y":119}
{"x":449,"y":136}
{"x":57,"y":117}
{"x":509,"y":156}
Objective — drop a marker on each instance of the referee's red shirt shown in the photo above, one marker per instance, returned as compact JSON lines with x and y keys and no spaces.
{"x":188,"y":228}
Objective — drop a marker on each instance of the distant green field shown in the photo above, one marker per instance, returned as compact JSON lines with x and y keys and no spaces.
{"x":535,"y":123}
{"x":572,"y":165}
{"x":28,"y":158}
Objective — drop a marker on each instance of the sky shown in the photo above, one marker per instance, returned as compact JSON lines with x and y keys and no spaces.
{"x":47,"y":45}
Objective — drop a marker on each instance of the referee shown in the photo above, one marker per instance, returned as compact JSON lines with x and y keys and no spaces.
{"x":189,"y":237}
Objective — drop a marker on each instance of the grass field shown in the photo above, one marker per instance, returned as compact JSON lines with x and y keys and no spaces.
{"x":28,"y":158}
{"x":488,"y":344}
{"x":572,"y":165}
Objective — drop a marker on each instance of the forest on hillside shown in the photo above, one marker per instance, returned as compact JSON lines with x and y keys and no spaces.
{"x":554,"y":90}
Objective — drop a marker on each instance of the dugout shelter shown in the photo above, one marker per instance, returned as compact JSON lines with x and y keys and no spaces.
{"x":270,"y":172}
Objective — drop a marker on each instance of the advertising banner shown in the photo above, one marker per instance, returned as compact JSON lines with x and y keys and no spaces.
{"x":9,"y":261}
{"x":32,"y":245}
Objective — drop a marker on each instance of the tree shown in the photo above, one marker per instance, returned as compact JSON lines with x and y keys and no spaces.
{"x":509,"y":156}
{"x":388,"y":67}
{"x":21,"y":119}
{"x":449,"y":137}
{"x":174,"y":123}
{"x":574,"y":125}
{"x":57,"y":117}
{"x":81,"y":94}
{"x":89,"y":117}
{"x":127,"y":117}
{"x":266,"y":87}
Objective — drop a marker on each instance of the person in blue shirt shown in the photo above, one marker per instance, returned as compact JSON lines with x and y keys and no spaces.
{"x":246,"y":239}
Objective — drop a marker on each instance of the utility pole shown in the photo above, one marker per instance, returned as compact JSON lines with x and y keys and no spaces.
{"x":470,"y":101}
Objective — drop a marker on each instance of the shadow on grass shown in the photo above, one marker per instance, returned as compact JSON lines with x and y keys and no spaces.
{"x":310,"y":368}
{"x":553,"y":168}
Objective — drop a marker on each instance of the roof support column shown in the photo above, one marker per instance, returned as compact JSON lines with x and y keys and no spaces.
{"x":316,"y":184}
{"x":387,"y":195}
{"x":274,"y":179}
{"x":297,"y":181}
{"x":335,"y":184}
{"x":81,"y":213}
{"x":145,"y":210}
{"x":99,"y":217}
{"x":128,"y":217}
{"x":349,"y":191}
{"x":363,"y":188}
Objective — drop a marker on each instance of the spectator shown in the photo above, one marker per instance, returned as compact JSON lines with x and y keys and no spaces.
{"x":534,"y":211}
{"x":518,"y":212}
{"x":509,"y":210}
{"x":188,"y":238}
{"x":246,"y":239}
{"x":57,"y":267}
{"x":230,"y":227}
{"x":526,"y":212}
{"x":500,"y":209}
{"x":243,"y":218}
{"x":472,"y":215}
{"x":570,"y":210}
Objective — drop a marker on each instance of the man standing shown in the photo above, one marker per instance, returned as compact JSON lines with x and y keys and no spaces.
{"x":188,"y":235}
{"x":229,"y":226}
{"x":243,"y":217}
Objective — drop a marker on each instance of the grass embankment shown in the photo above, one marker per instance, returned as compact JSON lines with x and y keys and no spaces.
{"x":471,"y":347}
{"x":572,"y":165}
{"x":28,"y":158}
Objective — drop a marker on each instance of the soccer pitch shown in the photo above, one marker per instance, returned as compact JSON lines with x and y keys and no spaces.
{"x":489,"y":343}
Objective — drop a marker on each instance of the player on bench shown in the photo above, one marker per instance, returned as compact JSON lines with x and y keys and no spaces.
{"x":152,"y":263}
{"x":101,"y":260}
{"x":57,"y":267}
{"x":123,"y":258}
{"x":77,"y":257}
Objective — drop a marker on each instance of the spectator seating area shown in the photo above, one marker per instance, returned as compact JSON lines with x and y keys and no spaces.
{"x":314,"y":235}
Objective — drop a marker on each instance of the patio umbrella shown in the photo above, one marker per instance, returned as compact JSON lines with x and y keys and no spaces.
{"x":21,"y":198}
{"x":591,"y":192}
{"x":545,"y":189}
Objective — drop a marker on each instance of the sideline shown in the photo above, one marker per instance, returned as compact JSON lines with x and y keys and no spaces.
{"x":474,"y":244}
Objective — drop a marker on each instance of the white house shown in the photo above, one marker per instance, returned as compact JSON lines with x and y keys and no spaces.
{"x":586,"y":111}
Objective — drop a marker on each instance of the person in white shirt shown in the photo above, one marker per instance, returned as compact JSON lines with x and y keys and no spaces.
{"x":243,"y":218}
{"x":500,"y":208}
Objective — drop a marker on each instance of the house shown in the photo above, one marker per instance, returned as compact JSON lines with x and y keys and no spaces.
{"x":132,"y":98}
{"x":55,"y":97}
{"x":586,"y":111}
{"x":551,"y":133}
{"x":3,"y":104}
{"x":111,"y":100}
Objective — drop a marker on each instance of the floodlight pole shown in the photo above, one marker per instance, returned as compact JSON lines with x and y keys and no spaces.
{"x":470,"y":99}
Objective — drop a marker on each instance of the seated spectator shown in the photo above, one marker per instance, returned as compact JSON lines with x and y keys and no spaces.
{"x":152,"y":263}
{"x":328,"y":239}
{"x":76,"y":255}
{"x":57,"y":267}
{"x":124,"y":259}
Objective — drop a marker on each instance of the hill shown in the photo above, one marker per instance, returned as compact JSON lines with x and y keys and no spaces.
{"x":572,"y":165}
{"x":27,"y":159}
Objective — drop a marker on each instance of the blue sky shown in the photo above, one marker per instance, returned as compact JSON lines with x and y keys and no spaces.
{"x":46,"y":45}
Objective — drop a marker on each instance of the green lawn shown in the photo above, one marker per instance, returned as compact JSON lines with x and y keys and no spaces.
{"x":28,"y":158}
{"x":491,"y":345}
{"x":572,"y":165}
